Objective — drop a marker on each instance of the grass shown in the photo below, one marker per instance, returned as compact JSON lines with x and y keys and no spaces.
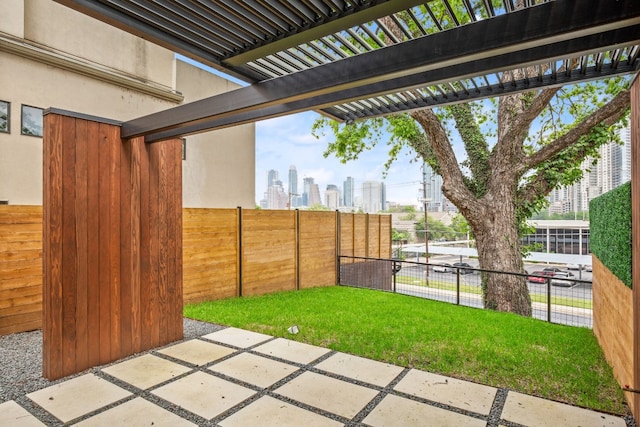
{"x":499,"y":349}
{"x":476,"y":290}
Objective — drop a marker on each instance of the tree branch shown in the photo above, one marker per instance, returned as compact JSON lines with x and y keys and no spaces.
{"x":453,"y":183}
{"x":607,"y":115}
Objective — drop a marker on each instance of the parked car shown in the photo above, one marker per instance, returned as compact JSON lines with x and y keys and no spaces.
{"x":536,"y":279}
{"x":561,"y":278}
{"x":573,"y":267}
{"x":397,"y":265}
{"x":463,"y":267}
{"x":588,"y":268}
{"x":552,"y":271}
{"x":442,"y":268}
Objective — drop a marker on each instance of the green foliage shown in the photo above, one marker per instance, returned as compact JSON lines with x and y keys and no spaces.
{"x":397,"y":235}
{"x":436,"y":230}
{"x":610,"y":234}
{"x":318,"y":207}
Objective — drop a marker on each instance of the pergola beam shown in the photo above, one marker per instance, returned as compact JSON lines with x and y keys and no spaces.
{"x":552,"y":26}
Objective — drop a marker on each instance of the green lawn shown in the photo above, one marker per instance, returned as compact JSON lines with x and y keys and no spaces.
{"x":499,"y":349}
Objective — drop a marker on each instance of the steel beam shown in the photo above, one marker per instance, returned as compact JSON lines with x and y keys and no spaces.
{"x":552,"y":26}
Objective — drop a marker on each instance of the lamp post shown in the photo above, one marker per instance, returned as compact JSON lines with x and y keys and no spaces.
{"x":426,"y":223}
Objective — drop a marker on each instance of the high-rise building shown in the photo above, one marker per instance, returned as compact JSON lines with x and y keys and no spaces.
{"x":349,"y":192}
{"x":433,"y":182}
{"x":611,"y":169}
{"x":373,"y":195}
{"x":272,"y":176}
{"x":295,"y":199}
{"x":332,"y":197}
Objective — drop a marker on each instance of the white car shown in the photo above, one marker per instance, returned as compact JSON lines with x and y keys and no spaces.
{"x":561,"y":279}
{"x":573,"y":267}
{"x":442,"y":268}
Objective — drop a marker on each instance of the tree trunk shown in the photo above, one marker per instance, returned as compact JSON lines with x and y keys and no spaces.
{"x":496,"y":230}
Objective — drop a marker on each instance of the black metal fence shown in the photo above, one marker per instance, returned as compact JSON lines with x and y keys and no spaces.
{"x":557,"y":298}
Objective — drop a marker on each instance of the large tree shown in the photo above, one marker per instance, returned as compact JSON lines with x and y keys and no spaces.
{"x":508,"y":170}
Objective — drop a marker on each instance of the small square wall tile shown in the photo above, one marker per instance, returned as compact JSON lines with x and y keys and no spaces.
{"x":268,"y":411}
{"x":78,"y":396}
{"x":197,"y":352}
{"x":136,"y":413}
{"x":203,"y":394}
{"x":254,"y":369}
{"x":361,"y":369}
{"x":450,"y":391}
{"x":335,"y":396}
{"x":238,"y":337}
{"x":394,"y":411}
{"x":291,"y":350}
{"x":146,"y":371}
{"x":12,"y":414}
{"x":530,"y":410}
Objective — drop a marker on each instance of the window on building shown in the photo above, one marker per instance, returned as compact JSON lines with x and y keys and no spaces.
{"x":184,"y":148}
{"x":31,"y":123}
{"x":5,"y":116}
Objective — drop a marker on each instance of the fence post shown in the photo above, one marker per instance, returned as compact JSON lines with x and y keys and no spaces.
{"x":297,"y":226}
{"x":240,"y":249}
{"x":338,"y":244}
{"x":548,"y":299}
{"x":457,"y":285}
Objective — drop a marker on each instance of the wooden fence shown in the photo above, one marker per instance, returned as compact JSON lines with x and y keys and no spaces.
{"x":226,"y":253}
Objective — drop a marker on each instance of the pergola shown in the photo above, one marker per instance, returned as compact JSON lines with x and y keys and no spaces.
{"x":338,"y":57}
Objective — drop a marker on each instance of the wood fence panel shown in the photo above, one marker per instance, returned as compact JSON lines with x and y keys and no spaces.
{"x":210,"y":258}
{"x":360,"y":236}
{"x":20,"y":268}
{"x":318,"y":233}
{"x":373,"y":236}
{"x":111,"y":245}
{"x":385,"y":236}
{"x":613,"y":322}
{"x":346,"y":234}
{"x":268,"y":251}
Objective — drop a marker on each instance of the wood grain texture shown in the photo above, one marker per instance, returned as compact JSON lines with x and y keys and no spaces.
{"x":613,"y":322}
{"x":112,"y":229}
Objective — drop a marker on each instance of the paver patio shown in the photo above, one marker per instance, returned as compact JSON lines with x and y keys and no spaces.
{"x":234,"y":378}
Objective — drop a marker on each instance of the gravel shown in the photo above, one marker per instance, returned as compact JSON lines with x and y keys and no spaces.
{"x":21,"y":360}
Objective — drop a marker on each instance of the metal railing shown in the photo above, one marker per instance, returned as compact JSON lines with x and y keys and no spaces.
{"x":562,"y":300}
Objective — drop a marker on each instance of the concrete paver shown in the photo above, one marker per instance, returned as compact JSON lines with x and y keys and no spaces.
{"x":12,"y":414}
{"x":146,"y":371}
{"x":361,"y":369}
{"x":450,"y":391}
{"x":238,"y":337}
{"x":136,"y":413}
{"x":530,"y":410}
{"x":197,"y":352}
{"x":268,"y":411}
{"x":396,"y":411}
{"x":292,"y":350}
{"x":78,"y":396}
{"x":254,"y":369}
{"x":332,"y":395}
{"x":204,"y":394}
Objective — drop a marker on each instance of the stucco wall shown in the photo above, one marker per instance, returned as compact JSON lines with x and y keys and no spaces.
{"x":69,"y":61}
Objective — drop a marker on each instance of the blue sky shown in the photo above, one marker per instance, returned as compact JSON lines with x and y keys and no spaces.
{"x":286,"y":141}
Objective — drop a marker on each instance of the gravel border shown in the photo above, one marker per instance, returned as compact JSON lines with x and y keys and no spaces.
{"x":21,"y":360}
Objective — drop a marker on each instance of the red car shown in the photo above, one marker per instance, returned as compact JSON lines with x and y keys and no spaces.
{"x":535,"y":279}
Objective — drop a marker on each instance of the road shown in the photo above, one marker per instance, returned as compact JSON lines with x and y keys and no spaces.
{"x":562,"y":314}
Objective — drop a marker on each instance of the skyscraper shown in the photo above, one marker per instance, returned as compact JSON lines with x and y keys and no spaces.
{"x":349,"y":192}
{"x":332,"y":197}
{"x":372,"y":196}
{"x":295,"y":199}
{"x":433,"y":181}
{"x":272,"y":176}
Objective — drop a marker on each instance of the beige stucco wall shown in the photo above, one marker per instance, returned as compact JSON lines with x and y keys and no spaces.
{"x":220,"y":166}
{"x":69,"y":61}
